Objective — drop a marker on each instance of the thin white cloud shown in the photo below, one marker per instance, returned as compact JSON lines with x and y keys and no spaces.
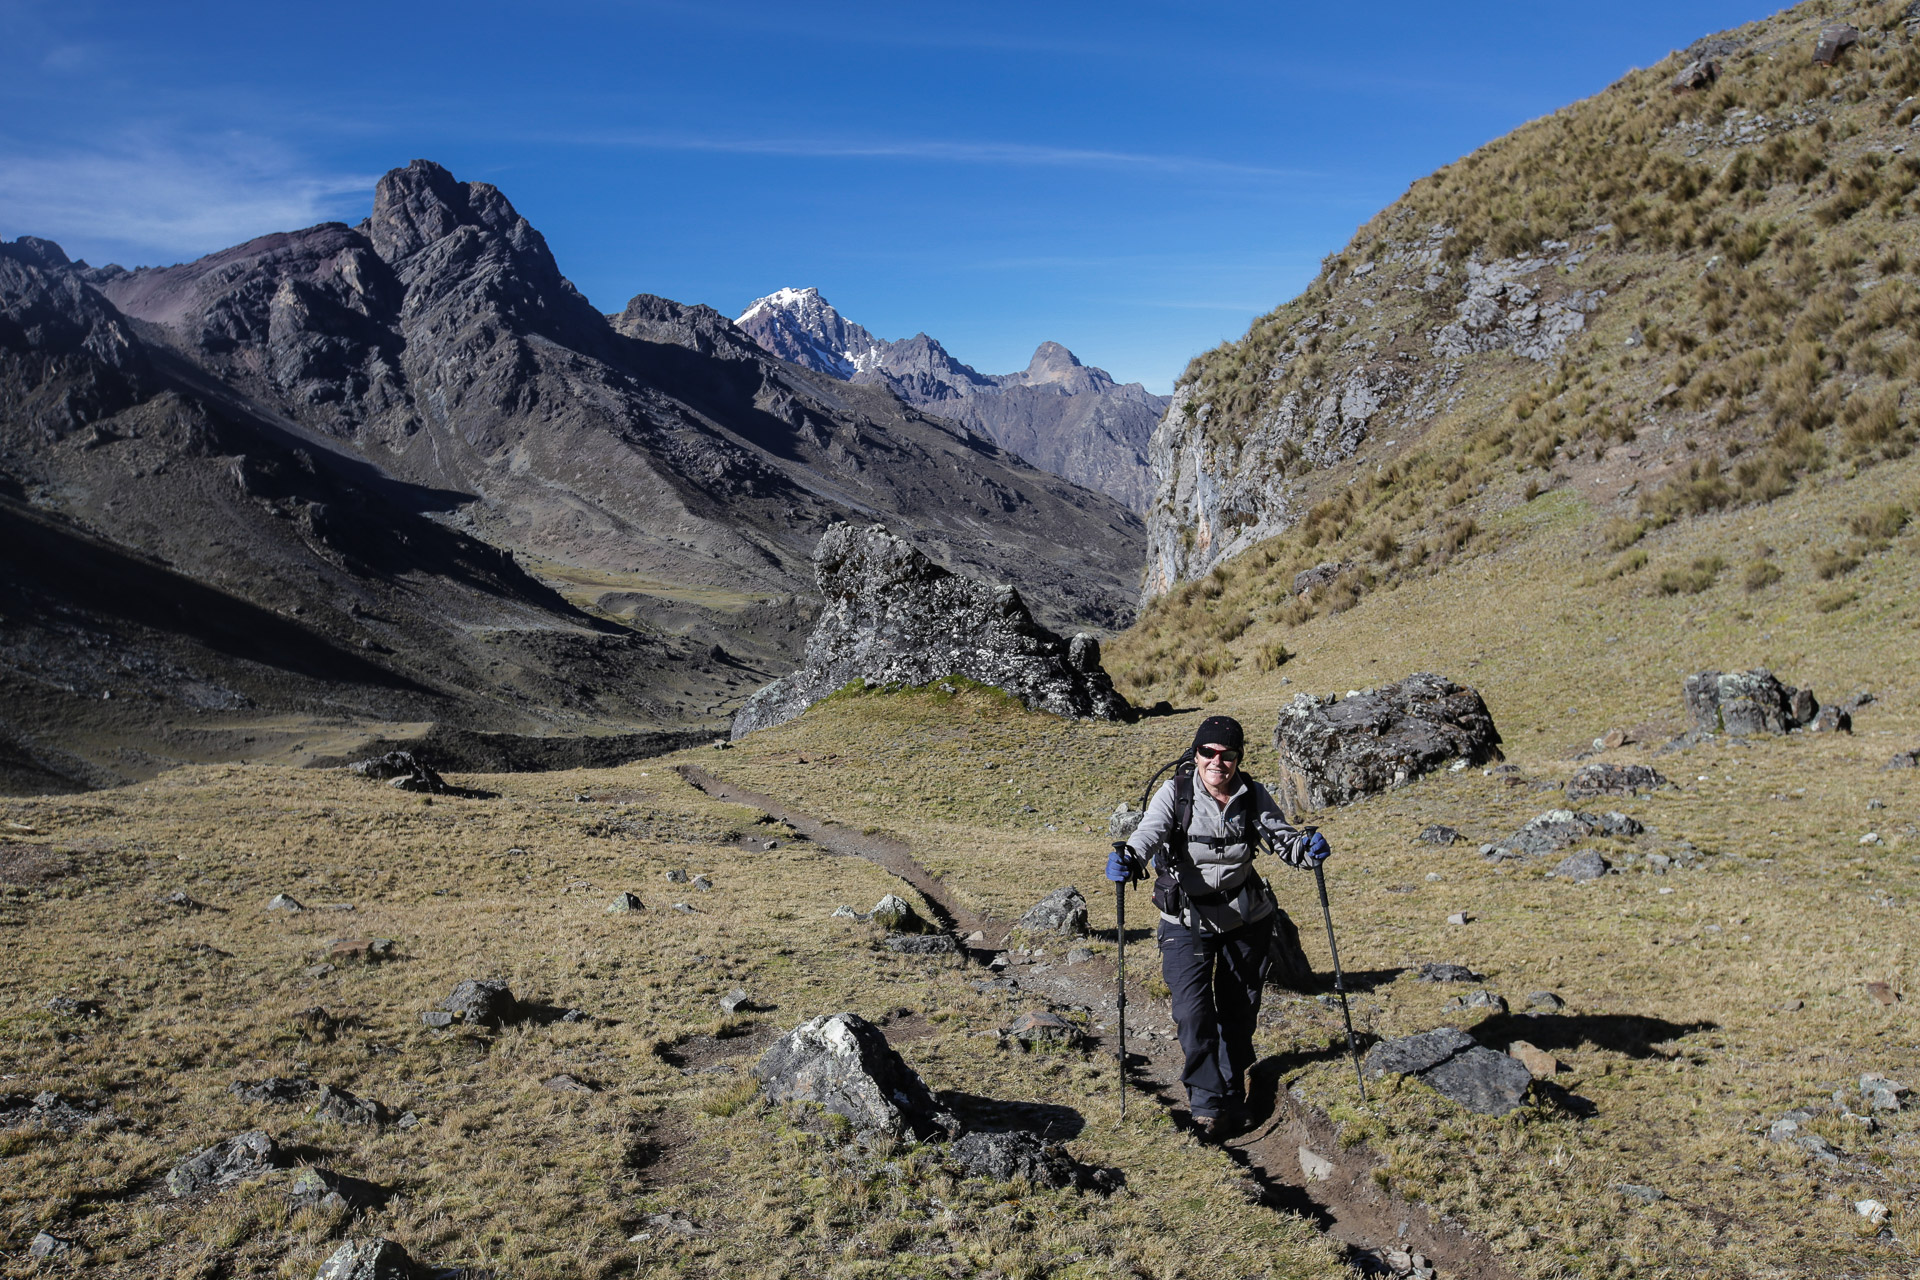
{"x":166,"y":202}
{"x":987,"y":153}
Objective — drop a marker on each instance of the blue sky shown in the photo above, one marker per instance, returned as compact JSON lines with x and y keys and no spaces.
{"x":1137,"y":181}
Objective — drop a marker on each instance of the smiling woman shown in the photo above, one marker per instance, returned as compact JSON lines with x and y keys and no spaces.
{"x":1135,"y":181}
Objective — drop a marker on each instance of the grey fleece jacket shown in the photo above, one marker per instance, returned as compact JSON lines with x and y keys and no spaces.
{"x":1221,"y":862}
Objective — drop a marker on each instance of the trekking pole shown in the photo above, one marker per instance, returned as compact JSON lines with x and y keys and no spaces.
{"x":1120,"y":936}
{"x":1339,"y":979}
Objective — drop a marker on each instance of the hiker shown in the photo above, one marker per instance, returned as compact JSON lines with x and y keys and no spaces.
{"x":1216,"y":915}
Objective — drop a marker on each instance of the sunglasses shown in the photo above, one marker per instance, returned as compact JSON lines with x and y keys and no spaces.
{"x":1208,"y":753}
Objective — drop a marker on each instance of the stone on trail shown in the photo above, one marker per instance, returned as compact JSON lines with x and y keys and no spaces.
{"x":1437,"y":834}
{"x":1016,"y":1154}
{"x":1581,"y":867}
{"x":225,"y":1163}
{"x":843,"y":1063}
{"x":1593,"y":780}
{"x":367,"y":1260}
{"x":1450,"y":1062}
{"x":1315,"y":1166}
{"x":482,"y":1002}
{"x":1336,"y":750}
{"x":1064,"y":911}
{"x":894,"y":617}
{"x":623,"y":902}
{"x":895,"y":915}
{"x":1079,"y":955}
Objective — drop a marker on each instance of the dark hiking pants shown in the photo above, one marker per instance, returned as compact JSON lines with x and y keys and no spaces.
{"x":1215,"y":980}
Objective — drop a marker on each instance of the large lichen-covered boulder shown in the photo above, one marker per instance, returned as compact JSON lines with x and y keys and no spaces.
{"x":1745,"y":702}
{"x":894,"y":617}
{"x":843,"y":1063}
{"x":1335,"y":750}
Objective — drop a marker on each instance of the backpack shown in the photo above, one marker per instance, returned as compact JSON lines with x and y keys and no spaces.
{"x":1288,"y":966}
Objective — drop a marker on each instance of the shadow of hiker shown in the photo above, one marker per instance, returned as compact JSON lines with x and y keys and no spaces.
{"x":995,"y":1115}
{"x":1628,"y":1033}
{"x":1263,"y":1080}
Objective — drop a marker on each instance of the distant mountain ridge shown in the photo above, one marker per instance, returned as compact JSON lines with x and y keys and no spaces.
{"x":1066,"y":417}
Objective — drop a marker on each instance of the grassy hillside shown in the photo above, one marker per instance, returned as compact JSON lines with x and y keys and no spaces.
{"x":1758,"y":330}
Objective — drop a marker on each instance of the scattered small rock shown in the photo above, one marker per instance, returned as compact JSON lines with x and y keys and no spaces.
{"x":1447,"y":973}
{"x":324,"y":1187}
{"x":1831,"y":719}
{"x":1079,"y":955}
{"x":1696,"y":76}
{"x":1883,"y":993}
{"x":675,"y":1223}
{"x":1905,"y":760}
{"x":182,"y":899}
{"x":1315,"y":1166}
{"x":1450,"y":1062}
{"x":703,"y":884}
{"x":1794,"y":1006}
{"x":1542,"y":1064}
{"x":68,"y":1007}
{"x":1460,"y":917}
{"x":1834,"y":40}
{"x":1482,"y":1000}
{"x":285,"y":902}
{"x":345,"y":1108}
{"x":843,"y":1063}
{"x":1593,"y":780}
{"x":1545,"y":1000}
{"x":923,"y":944}
{"x":1634,"y":1191}
{"x":844,"y":912}
{"x":482,"y":1002}
{"x":678,"y":876}
{"x":277,"y":1090}
{"x":47,"y":1245}
{"x":684,"y":909}
{"x":439,"y":1019}
{"x":225,"y":1163}
{"x":623,"y":902}
{"x":893,"y":914}
{"x":1583,"y":866}
{"x":49,"y":1110}
{"x":1872,"y":1210}
{"x":1037,"y":1027}
{"x":1004,"y":1157}
{"x":1437,"y":834}
{"x":1064,"y":911}
{"x":360,"y":950}
{"x":367,"y":1260}
{"x":564,"y":1083}
{"x":735,"y":1001}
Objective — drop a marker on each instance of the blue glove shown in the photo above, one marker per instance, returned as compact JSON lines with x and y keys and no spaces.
{"x":1121,"y":866}
{"x":1317,"y":849}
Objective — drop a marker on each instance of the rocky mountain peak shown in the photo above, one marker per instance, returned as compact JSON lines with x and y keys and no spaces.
{"x":423,"y":203}
{"x":1050,"y":361}
{"x":801,"y":326}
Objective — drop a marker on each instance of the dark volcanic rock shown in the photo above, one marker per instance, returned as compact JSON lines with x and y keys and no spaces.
{"x":274,"y":1089}
{"x":1335,"y":750}
{"x":346,"y":1108}
{"x":923,"y":944}
{"x":843,"y":1063}
{"x":1063,"y":911}
{"x":1612,"y":780}
{"x":1453,"y":1064}
{"x":226,"y":1163}
{"x":50,"y":1111}
{"x":895,"y":617}
{"x":401,"y":771}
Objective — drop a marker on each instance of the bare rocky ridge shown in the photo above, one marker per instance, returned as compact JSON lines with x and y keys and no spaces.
{"x":340,"y":473}
{"x":894,"y":617}
{"x":1061,"y":415}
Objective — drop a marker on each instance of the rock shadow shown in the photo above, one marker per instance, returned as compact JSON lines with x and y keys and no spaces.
{"x":995,"y":1115}
{"x":1631,"y":1034}
{"x":1357,"y":981}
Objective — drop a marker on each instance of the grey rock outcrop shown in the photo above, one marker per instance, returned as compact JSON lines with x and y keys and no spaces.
{"x":1063,"y":416}
{"x":344,"y":1107}
{"x":1457,"y":1067}
{"x":1335,"y":750}
{"x":278,"y":1090}
{"x":1556,"y":829}
{"x":893,"y":617}
{"x":225,"y":1163}
{"x":1834,"y":40}
{"x":1746,"y":702}
{"x":401,"y":771}
{"x":843,"y":1063}
{"x":1064,"y":911}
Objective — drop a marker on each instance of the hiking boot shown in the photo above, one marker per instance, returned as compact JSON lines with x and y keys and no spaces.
{"x":1210,"y":1128}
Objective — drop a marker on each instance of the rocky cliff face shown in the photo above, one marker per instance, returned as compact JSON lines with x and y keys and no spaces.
{"x":1057,"y":413}
{"x":376,"y":431}
{"x":894,"y":617}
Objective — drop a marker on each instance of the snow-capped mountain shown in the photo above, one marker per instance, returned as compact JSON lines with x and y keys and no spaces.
{"x":1068,"y":418}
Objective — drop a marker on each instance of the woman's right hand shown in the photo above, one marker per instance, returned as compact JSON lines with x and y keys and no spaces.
{"x":1122,"y":864}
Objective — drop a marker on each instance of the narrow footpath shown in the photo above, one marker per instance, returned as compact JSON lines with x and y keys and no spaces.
{"x":1293,"y":1150}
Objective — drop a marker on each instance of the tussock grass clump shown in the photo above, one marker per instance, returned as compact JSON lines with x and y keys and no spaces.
{"x":1692,"y":580}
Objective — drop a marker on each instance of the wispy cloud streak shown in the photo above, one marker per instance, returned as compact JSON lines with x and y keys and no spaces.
{"x":166,"y":200}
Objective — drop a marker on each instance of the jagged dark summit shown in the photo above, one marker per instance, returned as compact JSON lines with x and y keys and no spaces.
{"x":893,"y":617}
